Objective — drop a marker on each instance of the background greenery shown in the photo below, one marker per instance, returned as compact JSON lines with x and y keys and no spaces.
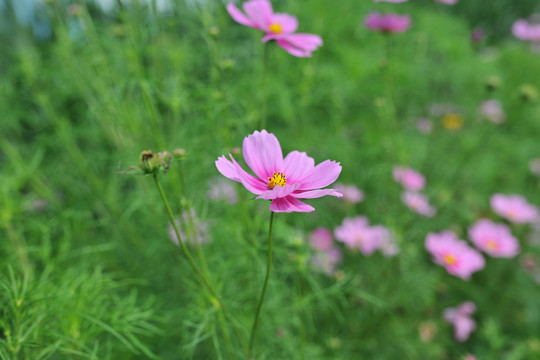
{"x":87,"y":267}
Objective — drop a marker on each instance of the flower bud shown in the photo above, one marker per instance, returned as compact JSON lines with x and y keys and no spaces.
{"x":528,"y":92}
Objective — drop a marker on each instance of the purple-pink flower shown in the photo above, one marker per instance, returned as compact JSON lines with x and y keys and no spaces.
{"x":492,"y":110}
{"x":409,"y":178}
{"x":356,"y":233}
{"x":458,"y":258}
{"x":387,"y":23}
{"x":281,"y":180}
{"x":418,"y":203}
{"x":321,"y":239}
{"x":494,"y":239}
{"x":351,"y":194}
{"x":327,"y":261}
{"x":278,"y":27}
{"x":514,"y":208}
{"x":524,"y":30}
{"x":460,"y":317}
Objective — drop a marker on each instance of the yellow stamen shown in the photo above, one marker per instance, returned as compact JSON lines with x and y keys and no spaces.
{"x":277,"y":179}
{"x":449,"y":259}
{"x":275,"y":28}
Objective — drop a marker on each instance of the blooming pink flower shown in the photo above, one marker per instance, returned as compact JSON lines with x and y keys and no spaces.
{"x":418,"y":203}
{"x":494,"y":239}
{"x":492,"y":110}
{"x":448,"y":2}
{"x":327,"y":261}
{"x":279,"y":27}
{"x":514,"y":208}
{"x":321,"y":239}
{"x":455,"y":255}
{"x":524,"y":30}
{"x":351,"y":194}
{"x":387,"y":23}
{"x":460,"y":317}
{"x":283,"y":181}
{"x":409,"y":178}
{"x":357,"y":233}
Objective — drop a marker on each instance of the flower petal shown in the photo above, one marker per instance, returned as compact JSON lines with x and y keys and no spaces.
{"x":322,"y":175}
{"x":278,"y":192}
{"x":288,"y":23}
{"x":262,"y":153}
{"x":227,"y":168}
{"x":300,"y":45}
{"x":250,"y":182}
{"x":297,"y":165}
{"x":289,"y":204}
{"x":312,"y":194}
{"x":260,"y":12}
{"x":238,"y":16}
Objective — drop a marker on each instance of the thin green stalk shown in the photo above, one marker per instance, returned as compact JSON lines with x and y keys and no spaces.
{"x":264,"y":87}
{"x":268,"y":267}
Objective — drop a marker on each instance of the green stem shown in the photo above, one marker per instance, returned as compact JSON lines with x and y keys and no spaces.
{"x":264,"y":87}
{"x":268,"y":267}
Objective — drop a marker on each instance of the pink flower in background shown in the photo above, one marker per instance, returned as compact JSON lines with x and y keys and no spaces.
{"x":356,"y":233}
{"x":524,"y":30}
{"x":409,"y":178}
{"x":221,"y":189}
{"x":477,"y":35}
{"x":460,"y":317}
{"x":278,"y":27}
{"x":321,"y":239}
{"x":448,"y":2}
{"x":387,"y":23}
{"x":418,"y":203}
{"x":424,"y":125}
{"x":388,"y":245}
{"x":494,"y":239}
{"x":492,"y":110}
{"x":458,"y":258}
{"x":282,"y":180}
{"x":514,"y":208}
{"x":191,"y":228}
{"x":327,"y":261}
{"x":351,"y":194}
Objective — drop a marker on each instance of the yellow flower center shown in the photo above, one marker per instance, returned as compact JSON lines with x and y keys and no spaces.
{"x":492,"y":245}
{"x":277,"y":179}
{"x":449,"y":259}
{"x":452,"y":121}
{"x":275,"y":28}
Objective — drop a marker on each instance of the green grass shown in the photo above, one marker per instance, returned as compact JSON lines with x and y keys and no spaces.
{"x":87,"y":268}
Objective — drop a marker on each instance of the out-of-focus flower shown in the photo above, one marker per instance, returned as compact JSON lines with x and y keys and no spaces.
{"x":494,"y":239}
{"x":75,"y":9}
{"x":321,"y":239}
{"x":356,"y":233}
{"x":221,"y":189}
{"x":528,"y":92}
{"x":409,"y":178}
{"x":191,"y":228}
{"x":460,"y":317}
{"x":492,"y":110}
{"x":424,"y":125}
{"x":351,"y":194}
{"x":534,"y":166}
{"x":477,"y":35}
{"x":391,"y":1}
{"x":327,"y":261}
{"x":387,"y":23}
{"x":529,"y":262}
{"x":514,"y":208}
{"x":448,"y":2}
{"x":469,"y":357}
{"x":388,"y":246}
{"x":452,"y":121}
{"x":278,"y":27}
{"x":524,"y":30}
{"x":427,"y":331}
{"x":458,"y":258}
{"x":418,"y":203}
{"x":281,"y":180}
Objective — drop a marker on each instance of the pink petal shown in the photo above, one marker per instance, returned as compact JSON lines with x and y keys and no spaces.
{"x":289,"y":204}
{"x":254,"y":185}
{"x":296,"y":165}
{"x":463,"y":326}
{"x":238,"y":16}
{"x":321,"y":176}
{"x":278,"y":192}
{"x":312,"y":194}
{"x":263,"y":154}
{"x":288,"y":23}
{"x":300,"y":45}
{"x":260,"y":12}
{"x":227,"y":168}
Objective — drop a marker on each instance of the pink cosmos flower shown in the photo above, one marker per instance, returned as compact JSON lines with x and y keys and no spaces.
{"x":327,"y":261}
{"x":460,"y":317}
{"x":283,"y":181}
{"x":418,"y":203}
{"x":351,"y":194}
{"x":409,"y":178}
{"x":321,"y":239}
{"x":387,"y":23}
{"x":455,"y":255}
{"x":448,"y":2}
{"x":514,"y":208}
{"x":494,"y":239}
{"x":357,"y":233}
{"x":492,"y":110}
{"x":279,"y":27}
{"x":524,"y":30}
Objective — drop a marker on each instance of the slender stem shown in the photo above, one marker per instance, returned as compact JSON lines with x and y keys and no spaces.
{"x":268,"y":267}
{"x":264,"y":87}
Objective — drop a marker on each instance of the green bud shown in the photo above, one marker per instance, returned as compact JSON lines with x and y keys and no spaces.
{"x":528,"y":92}
{"x":493,"y":83}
